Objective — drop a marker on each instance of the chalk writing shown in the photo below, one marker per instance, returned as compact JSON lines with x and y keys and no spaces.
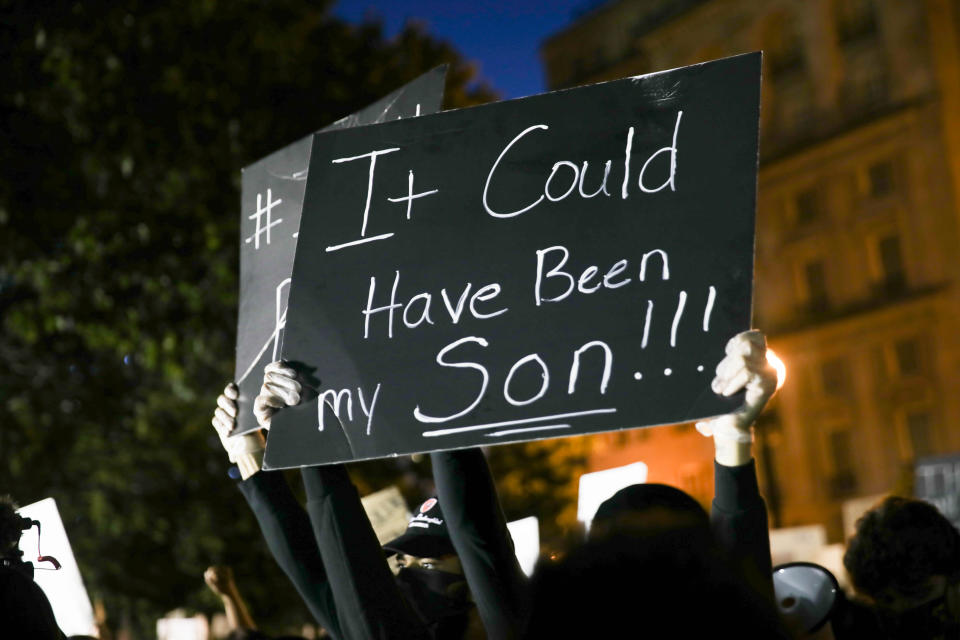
{"x":333,"y":398}
{"x":577,"y":172}
{"x":411,"y":196}
{"x":563,"y":264}
{"x":272,"y":196}
{"x":257,"y":216}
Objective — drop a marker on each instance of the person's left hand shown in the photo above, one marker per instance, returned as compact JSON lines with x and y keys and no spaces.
{"x":744,"y":367}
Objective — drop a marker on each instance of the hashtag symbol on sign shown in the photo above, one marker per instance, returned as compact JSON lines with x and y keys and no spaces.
{"x":258,"y":215}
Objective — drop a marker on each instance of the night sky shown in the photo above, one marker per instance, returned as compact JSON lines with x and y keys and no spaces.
{"x":502,"y":38}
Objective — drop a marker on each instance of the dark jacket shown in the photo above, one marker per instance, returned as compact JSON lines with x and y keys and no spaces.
{"x":340,"y":571}
{"x":478,"y":530}
{"x":739,"y":521}
{"x":332,"y":557}
{"x":25,"y":611}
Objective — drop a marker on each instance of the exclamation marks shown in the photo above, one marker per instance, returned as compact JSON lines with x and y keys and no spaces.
{"x":675,"y":326}
{"x":681,"y":303}
{"x":646,"y":324}
{"x":678,"y":315}
{"x":711,"y":297}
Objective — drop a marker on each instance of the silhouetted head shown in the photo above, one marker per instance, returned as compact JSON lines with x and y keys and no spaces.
{"x":10,"y":528}
{"x":647,"y":507}
{"x":905,"y":559}
{"x":650,"y":582}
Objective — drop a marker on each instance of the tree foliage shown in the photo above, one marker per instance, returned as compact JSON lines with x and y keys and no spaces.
{"x":125,"y":126}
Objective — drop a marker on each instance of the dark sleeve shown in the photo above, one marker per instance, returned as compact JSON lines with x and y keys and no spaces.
{"x":478,"y":530}
{"x":739,"y":519}
{"x":367,"y":598}
{"x":287,"y":531}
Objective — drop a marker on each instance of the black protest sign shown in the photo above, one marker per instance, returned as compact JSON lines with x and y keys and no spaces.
{"x":562,"y":264}
{"x":271,"y":203}
{"x":937,"y":480}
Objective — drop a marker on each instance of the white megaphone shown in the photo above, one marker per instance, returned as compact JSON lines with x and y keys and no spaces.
{"x":806,"y":596}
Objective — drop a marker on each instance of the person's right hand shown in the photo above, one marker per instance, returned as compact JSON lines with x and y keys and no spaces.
{"x":280,"y":389}
{"x":244,"y":450}
{"x":219,"y":579}
{"x":744,"y":367}
{"x":225,"y":421}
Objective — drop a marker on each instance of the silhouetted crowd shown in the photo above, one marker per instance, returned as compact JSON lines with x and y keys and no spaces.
{"x":654,"y":563}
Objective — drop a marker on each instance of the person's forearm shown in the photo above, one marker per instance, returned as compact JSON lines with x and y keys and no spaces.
{"x":369,"y":604}
{"x":739,"y":517}
{"x":479,"y":533}
{"x":230,"y":610}
{"x":238,"y":615}
{"x":287,"y":532}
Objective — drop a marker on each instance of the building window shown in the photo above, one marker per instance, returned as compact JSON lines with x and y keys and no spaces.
{"x":873,"y":87}
{"x":901,"y":358}
{"x":814,"y":277}
{"x":834,"y":377}
{"x":783,"y":48}
{"x":807,"y":207}
{"x":880,"y":180}
{"x":843,"y":479}
{"x":793,"y":105}
{"x":841,"y":450}
{"x":867,"y":82}
{"x":920,"y":433}
{"x":889,"y":261}
{"x":856,"y":19}
{"x":907,"y":358}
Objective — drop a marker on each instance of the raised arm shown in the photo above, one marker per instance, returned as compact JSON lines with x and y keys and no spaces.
{"x":282,"y":520}
{"x":478,"y":530}
{"x":739,"y":514}
{"x":220,"y":580}
{"x":368,"y":602}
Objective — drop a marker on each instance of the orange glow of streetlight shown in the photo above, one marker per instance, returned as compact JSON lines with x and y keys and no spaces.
{"x":779,"y":366}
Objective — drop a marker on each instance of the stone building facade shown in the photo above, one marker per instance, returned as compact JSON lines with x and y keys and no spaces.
{"x":858,"y":232}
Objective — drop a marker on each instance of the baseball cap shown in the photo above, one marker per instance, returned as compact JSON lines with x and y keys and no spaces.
{"x":426,"y":535}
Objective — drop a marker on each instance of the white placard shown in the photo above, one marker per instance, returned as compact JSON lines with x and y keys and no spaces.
{"x":176,"y":628}
{"x":388,"y":513}
{"x":598,"y":486}
{"x":831,"y":557}
{"x":64,"y":587}
{"x":797,"y":544}
{"x":526,"y":542}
